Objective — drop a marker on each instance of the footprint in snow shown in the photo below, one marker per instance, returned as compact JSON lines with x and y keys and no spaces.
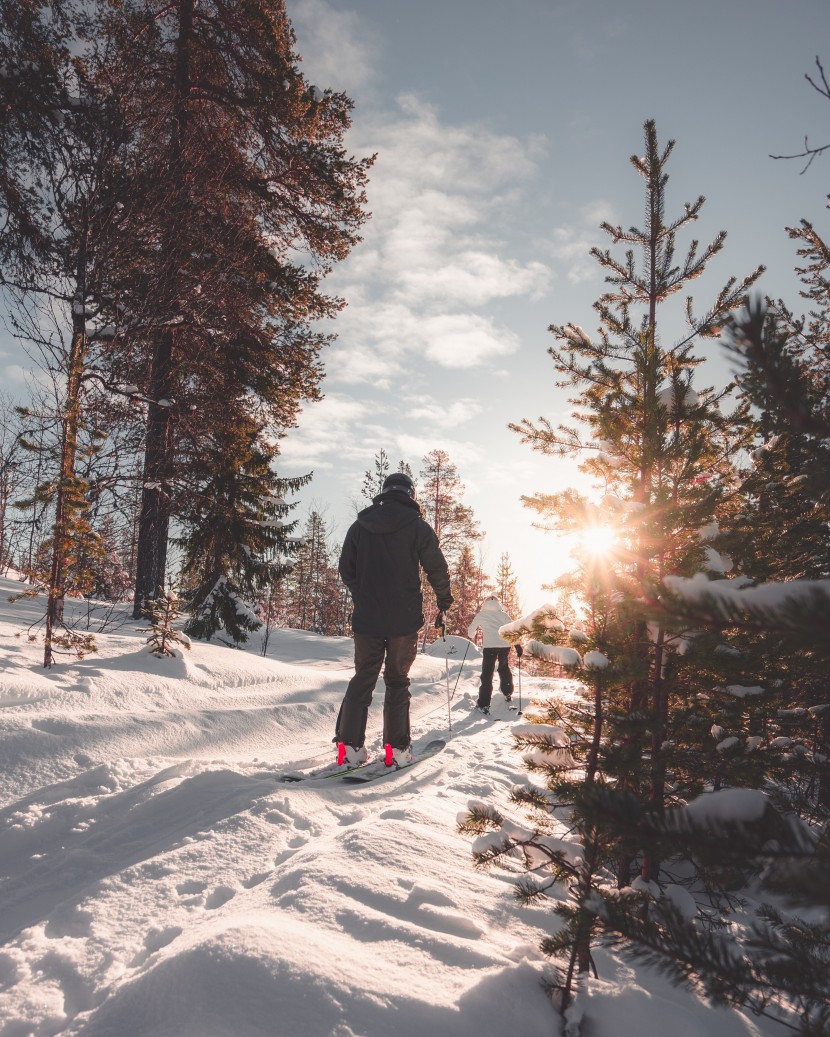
{"x":154,"y":941}
{"x":74,"y":923}
{"x":450,"y":922}
{"x":256,"y":879}
{"x":191,"y":887}
{"x":351,"y":817}
{"x":221,"y":895}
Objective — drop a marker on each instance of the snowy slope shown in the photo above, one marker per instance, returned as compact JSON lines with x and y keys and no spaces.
{"x":157,"y":878}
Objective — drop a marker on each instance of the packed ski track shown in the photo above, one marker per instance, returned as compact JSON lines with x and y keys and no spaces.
{"x":157,"y":877}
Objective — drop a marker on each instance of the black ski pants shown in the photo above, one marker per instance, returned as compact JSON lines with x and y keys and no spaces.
{"x":396,"y":655}
{"x":488,"y":665}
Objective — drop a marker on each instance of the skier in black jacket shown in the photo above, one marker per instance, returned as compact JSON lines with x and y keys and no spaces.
{"x":380,"y":564}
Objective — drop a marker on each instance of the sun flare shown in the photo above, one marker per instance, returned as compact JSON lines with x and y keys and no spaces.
{"x":597,"y":540}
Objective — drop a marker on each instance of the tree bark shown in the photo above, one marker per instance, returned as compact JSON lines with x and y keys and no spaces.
{"x":154,"y":521}
{"x":62,"y":539}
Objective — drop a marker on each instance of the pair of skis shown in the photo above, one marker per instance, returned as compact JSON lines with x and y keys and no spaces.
{"x":364,"y":772}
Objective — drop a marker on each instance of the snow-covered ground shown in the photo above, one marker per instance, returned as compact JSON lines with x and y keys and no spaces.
{"x":157,"y":879}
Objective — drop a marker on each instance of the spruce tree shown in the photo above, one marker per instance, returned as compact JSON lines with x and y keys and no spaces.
{"x":237,"y":539}
{"x":663,"y":452}
{"x":440,"y":497}
{"x":506,"y":586}
{"x":373,"y":479}
{"x":779,"y":526}
{"x":314,"y":592}
{"x":469,"y":588}
{"x":163,"y":638}
{"x":251,"y":199}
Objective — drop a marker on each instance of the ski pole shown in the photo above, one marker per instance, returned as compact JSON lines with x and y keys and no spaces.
{"x":441,"y":625}
{"x":519,"y":654}
{"x":460,"y":668}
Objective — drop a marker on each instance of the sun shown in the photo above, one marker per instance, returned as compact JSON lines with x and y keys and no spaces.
{"x":597,"y":540}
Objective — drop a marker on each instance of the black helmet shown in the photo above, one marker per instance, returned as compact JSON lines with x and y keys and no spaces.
{"x":399,"y":481}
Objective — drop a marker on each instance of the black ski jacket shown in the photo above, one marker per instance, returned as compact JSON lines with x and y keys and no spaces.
{"x":380,"y":563}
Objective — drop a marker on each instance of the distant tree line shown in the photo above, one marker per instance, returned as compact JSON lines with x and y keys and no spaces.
{"x":299,"y":588}
{"x":312,"y":596}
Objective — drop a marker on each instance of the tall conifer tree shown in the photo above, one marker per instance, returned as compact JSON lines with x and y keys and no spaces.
{"x":237,"y":539}
{"x":664,"y":452}
{"x":507,"y":586}
{"x":246,"y":161}
{"x":440,"y":493}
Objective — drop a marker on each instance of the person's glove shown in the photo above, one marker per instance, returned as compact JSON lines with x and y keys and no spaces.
{"x":519,"y":650}
{"x":445,"y":604}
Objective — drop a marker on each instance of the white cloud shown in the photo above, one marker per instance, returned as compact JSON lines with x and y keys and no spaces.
{"x":337,"y":47}
{"x":378,"y":343}
{"x":597,"y":212}
{"x":439,"y":415}
{"x":473,"y":278}
{"x":437,"y":251}
{"x":439,"y":195}
{"x":325,"y":433}
{"x":571,"y":243}
{"x":465,"y":340}
{"x":342,"y":432}
{"x":463,"y":453}
{"x":356,"y":365}
{"x":14,"y":374}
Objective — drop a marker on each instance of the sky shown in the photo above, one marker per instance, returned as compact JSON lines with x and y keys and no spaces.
{"x":159,"y":879}
{"x":503,"y":133}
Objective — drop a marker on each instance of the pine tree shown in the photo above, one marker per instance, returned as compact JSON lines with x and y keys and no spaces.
{"x":506,"y":586}
{"x":373,"y":479}
{"x":249,"y":171}
{"x":33,"y":434}
{"x":469,"y":588}
{"x":440,"y":496}
{"x":778,"y":629}
{"x":314,"y":595}
{"x":163,"y":636}
{"x":236,"y":529}
{"x":12,"y":480}
{"x":663,"y":452}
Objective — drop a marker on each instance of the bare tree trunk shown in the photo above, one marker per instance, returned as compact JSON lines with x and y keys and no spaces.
{"x":154,"y":523}
{"x":66,"y":478}
{"x":154,"y":519}
{"x":651,"y":865}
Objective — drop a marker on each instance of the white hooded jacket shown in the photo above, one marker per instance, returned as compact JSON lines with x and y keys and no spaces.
{"x":490,"y":617}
